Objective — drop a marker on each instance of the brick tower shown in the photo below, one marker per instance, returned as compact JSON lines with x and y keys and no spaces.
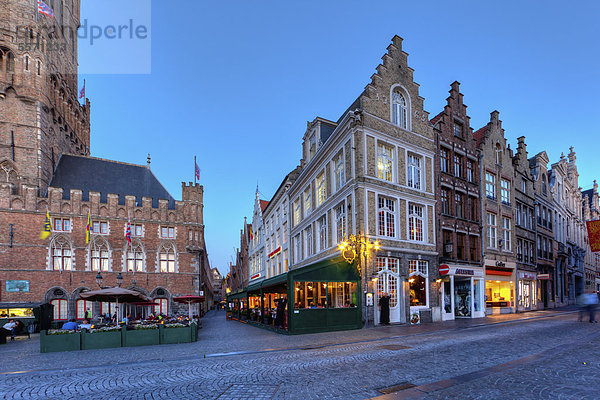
{"x":40,"y":115}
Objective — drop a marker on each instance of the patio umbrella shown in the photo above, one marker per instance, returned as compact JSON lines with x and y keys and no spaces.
{"x":115,"y":293}
{"x":189,"y":299}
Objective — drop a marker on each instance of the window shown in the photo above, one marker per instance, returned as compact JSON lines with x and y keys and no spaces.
{"x":447,"y":242}
{"x":167,"y":232}
{"x":100,"y":227}
{"x":415,"y":222}
{"x":166,"y":258}
{"x":60,"y":309}
{"x":39,"y":68}
{"x":458,"y":165}
{"x":312,"y":146}
{"x":339,"y":171}
{"x":341,"y":294}
{"x":10,"y":62}
{"x":473,"y":247}
{"x":285,"y":261}
{"x":99,"y":255}
{"x":26,"y":63}
{"x":458,"y":130}
{"x":82,"y":306}
{"x":498,"y":154}
{"x":308,"y":244}
{"x":418,"y":282}
{"x":162,"y":307}
{"x":62,"y":224}
{"x":414,"y":171}
{"x":297,"y":249}
{"x":399,"y":110}
{"x":340,"y":223}
{"x":61,"y":254}
{"x":135,"y":257}
{"x":321,"y":189}
{"x":460,"y":246}
{"x":523,"y":186}
{"x":137,"y":230}
{"x":296,"y":206}
{"x":544,"y":190}
{"x":491,"y":230}
{"x":108,"y":308}
{"x":445,"y":201}
{"x":472,"y":208}
{"x":384,"y":162}
{"x":519,"y":250}
{"x":506,"y":233}
{"x":387,"y":223}
{"x":307,"y":202}
{"x":310,"y":295}
{"x":444,"y":160}
{"x":458,"y":199}
{"x":505,"y":191}
{"x":490,"y":186}
{"x":284,"y":233}
{"x":470,"y":171}
{"x":322,"y":233}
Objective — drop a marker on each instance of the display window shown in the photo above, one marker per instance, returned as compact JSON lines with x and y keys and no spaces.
{"x":16,"y":312}
{"x":499,"y":293}
{"x":314,"y":295}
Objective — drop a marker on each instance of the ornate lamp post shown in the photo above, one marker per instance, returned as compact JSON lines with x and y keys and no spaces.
{"x":99,"y":280}
{"x":119,"y":280}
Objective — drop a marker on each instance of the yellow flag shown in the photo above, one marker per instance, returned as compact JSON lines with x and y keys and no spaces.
{"x":47,"y":227}
{"x":88,"y":228}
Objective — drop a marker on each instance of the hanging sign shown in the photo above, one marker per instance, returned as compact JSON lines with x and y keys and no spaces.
{"x":593,"y":228}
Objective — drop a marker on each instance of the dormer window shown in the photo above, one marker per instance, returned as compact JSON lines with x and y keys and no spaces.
{"x":312,"y":145}
{"x":399,"y":110}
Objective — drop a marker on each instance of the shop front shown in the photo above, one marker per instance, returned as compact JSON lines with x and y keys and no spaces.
{"x":527,"y":291}
{"x":500,"y":287}
{"x":462,"y":292}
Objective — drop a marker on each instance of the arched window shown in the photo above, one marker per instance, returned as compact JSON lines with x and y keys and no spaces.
{"x":418,"y":282}
{"x":100,"y":255}
{"x":498,"y":154}
{"x":166,"y":257}
{"x":10,"y":62}
{"x":162,"y":307}
{"x":84,"y":306}
{"x":399,"y":110}
{"x":61,"y":253}
{"x":60,"y":309}
{"x":135,"y":257}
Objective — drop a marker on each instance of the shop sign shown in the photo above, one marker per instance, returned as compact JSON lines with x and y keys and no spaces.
{"x":593,"y":228}
{"x":499,"y":264}
{"x":255,"y":276}
{"x":274,"y":252}
{"x":463,"y":271}
{"x":17,"y":286}
{"x":527,"y":276}
{"x":543,"y":277}
{"x":444,"y":269}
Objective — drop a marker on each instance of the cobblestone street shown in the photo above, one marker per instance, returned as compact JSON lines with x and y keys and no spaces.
{"x":545,"y":355}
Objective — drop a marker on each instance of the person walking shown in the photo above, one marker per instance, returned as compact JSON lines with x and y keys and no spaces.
{"x":384,"y":309}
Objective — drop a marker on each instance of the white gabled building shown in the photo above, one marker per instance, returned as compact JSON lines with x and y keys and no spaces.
{"x":256,"y":247}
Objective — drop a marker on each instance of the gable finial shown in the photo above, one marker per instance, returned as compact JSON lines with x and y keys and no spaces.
{"x":148,"y":161}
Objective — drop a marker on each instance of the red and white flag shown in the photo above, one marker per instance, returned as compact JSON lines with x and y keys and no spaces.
{"x":197,"y":171}
{"x":82,"y":91}
{"x":128,"y":232}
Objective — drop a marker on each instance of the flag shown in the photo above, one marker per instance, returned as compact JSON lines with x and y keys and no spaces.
{"x":197,"y":171}
{"x":88,"y":229}
{"x":250,"y":229}
{"x":47,"y":227}
{"x":593,"y":228}
{"x":43,"y":8}
{"x":82,"y":91}
{"x":128,"y":232}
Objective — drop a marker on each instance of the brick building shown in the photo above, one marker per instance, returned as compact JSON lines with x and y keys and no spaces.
{"x":458,"y":214}
{"x":591,"y":212}
{"x":497,"y":180}
{"x":46,"y":168}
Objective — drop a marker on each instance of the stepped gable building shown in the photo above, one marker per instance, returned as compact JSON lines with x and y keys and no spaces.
{"x":591,"y":212}
{"x":256,"y":247}
{"x":458,"y":214}
{"x":46,"y":168}
{"x":525,"y":231}
{"x":497,"y":180}
{"x":544,"y":219}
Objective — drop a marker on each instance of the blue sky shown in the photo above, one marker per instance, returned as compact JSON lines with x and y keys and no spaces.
{"x":234,"y":82}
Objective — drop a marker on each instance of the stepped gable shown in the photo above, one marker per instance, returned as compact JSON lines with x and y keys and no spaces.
{"x":90,"y":174}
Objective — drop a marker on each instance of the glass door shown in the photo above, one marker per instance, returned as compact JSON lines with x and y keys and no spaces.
{"x":478,"y":299}
{"x":448,"y":299}
{"x":462,"y":297}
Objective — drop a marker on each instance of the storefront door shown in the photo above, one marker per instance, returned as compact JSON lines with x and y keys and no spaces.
{"x":448,"y":299}
{"x":387,"y":282}
{"x":462,"y":297}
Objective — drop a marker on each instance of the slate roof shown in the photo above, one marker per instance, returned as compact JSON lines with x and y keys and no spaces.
{"x":90,"y":174}
{"x":263,"y":205}
{"x":479,"y":134}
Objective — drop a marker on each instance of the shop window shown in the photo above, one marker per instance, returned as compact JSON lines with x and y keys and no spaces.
{"x":310,"y":295}
{"x":82,"y":307}
{"x":341,"y":294}
{"x":16,"y":312}
{"x":162,"y":307}
{"x":60,"y":309}
{"x":498,"y":293}
{"x":418,"y":282}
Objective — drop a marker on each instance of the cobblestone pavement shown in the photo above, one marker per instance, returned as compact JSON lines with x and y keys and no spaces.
{"x":547,"y":355}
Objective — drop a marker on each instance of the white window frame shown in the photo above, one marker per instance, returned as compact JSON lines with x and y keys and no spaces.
{"x":386,"y":217}
{"x":492,"y":237}
{"x":340,"y":222}
{"x":506,"y":234}
{"x":166,"y":263}
{"x":322,"y":222}
{"x":321,"y":187}
{"x":420,"y":268}
{"x":385,"y":162}
{"x":414,"y":220}
{"x":308,"y":241}
{"x":505,"y":191}
{"x":167,"y":232}
{"x":62,"y":224}
{"x":400,"y":109}
{"x":414,"y":171}
{"x":490,"y":185}
{"x":339,"y":171}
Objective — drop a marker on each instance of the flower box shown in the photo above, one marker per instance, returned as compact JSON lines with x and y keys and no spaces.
{"x":140,"y":337}
{"x":100,"y":339}
{"x":56,"y":340}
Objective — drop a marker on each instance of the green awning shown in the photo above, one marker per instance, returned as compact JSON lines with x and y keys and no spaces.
{"x":254,"y":287}
{"x":335,"y":270}
{"x":276,"y":280}
{"x":238,"y":295}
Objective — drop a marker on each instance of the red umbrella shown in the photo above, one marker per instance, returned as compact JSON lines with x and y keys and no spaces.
{"x":189,"y":299}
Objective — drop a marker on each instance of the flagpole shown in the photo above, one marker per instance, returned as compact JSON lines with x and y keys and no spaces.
{"x":195,"y":170}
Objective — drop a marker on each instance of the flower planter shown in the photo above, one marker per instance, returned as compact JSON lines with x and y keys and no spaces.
{"x":62,"y":342}
{"x":100,"y":340}
{"x":175,"y":335}
{"x":140,"y":337}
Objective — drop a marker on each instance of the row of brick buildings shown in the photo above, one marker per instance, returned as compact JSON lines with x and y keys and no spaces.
{"x":46,"y":168}
{"x":452,"y":221}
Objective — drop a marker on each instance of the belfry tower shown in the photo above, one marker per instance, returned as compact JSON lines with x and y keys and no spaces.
{"x":40,"y":115}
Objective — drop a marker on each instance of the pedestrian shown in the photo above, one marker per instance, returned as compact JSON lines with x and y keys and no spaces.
{"x":280,"y":313}
{"x":71,"y":325}
{"x":9,"y":328}
{"x":384,"y":309}
{"x":591,"y":302}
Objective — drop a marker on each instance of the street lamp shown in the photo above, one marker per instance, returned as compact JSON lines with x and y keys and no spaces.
{"x":119,"y":280}
{"x":354,"y":246}
{"x":99,"y":279}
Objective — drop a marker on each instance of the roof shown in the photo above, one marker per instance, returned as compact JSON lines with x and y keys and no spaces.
{"x":479,"y":134}
{"x":263,"y":205}
{"x":90,"y":174}
{"x":435,"y":119}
